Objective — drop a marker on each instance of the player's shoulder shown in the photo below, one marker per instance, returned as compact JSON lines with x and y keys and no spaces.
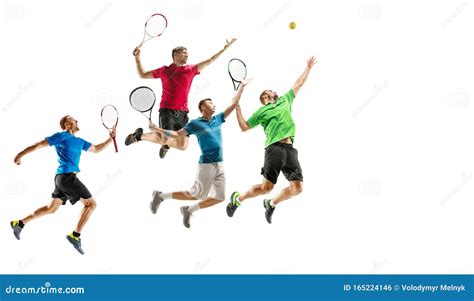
{"x":289,"y":94}
{"x":62,"y":134}
{"x":57,"y":137}
{"x":194,"y":121}
{"x":220,"y":116}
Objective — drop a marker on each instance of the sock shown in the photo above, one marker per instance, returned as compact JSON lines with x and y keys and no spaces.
{"x":165,"y":196}
{"x":75,"y":234}
{"x":194,"y":208}
{"x":272,"y":204}
{"x":20,"y":223}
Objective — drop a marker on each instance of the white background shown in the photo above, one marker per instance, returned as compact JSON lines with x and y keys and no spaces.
{"x":384,"y":133}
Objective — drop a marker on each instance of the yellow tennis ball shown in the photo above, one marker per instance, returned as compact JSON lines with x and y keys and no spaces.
{"x":292,"y":25}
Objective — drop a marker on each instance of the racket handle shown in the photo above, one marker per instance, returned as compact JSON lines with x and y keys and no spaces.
{"x":115,"y":145}
{"x":138,"y":47}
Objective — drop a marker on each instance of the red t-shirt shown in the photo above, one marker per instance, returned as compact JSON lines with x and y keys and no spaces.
{"x":176,"y":82}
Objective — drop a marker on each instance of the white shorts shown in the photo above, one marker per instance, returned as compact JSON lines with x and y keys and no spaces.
{"x":209,"y":175}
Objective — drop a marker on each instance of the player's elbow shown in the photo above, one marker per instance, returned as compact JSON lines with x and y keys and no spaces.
{"x":145,"y":75}
{"x":244,"y":128}
{"x":40,"y":144}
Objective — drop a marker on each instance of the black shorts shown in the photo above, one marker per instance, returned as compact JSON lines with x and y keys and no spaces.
{"x":281,"y":157}
{"x":69,"y":187}
{"x":173,"y":119}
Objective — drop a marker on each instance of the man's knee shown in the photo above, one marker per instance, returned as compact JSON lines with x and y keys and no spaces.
{"x":296,"y":188}
{"x":52,"y":208}
{"x":89,"y":203}
{"x":267,"y":187}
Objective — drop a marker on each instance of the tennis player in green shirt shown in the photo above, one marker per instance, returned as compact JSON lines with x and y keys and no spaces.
{"x":280,"y":156}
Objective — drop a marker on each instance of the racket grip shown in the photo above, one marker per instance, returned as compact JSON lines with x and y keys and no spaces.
{"x":139,"y":46}
{"x":115,"y":145}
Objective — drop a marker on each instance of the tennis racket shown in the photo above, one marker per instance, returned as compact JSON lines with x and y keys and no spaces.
{"x":154,"y":27}
{"x":237,"y":72}
{"x":143,"y":99}
{"x":109,"y":115}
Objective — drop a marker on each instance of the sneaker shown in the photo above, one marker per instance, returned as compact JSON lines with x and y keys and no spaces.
{"x":134,"y":137}
{"x":163,"y":150}
{"x":233,"y":205}
{"x":186,"y":216}
{"x":268,"y":210}
{"x":155,"y":201}
{"x":16,"y":228}
{"x":76,"y":242}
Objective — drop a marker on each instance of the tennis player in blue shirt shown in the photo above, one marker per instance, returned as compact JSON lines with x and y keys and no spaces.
{"x":210,"y":172}
{"x":67,"y":186}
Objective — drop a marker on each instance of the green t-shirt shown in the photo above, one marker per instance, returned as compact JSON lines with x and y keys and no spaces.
{"x":276,"y":119}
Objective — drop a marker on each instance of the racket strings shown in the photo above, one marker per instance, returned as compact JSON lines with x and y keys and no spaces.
{"x":155,"y":25}
{"x":142,"y":99}
{"x":109,"y":117}
{"x":237,"y":70}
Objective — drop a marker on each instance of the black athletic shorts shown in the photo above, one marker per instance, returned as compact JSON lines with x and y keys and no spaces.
{"x":281,"y":157}
{"x":69,"y":187}
{"x":173,"y":119}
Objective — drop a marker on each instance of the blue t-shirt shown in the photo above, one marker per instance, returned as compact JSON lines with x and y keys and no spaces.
{"x":68,"y":147}
{"x":209,"y":137}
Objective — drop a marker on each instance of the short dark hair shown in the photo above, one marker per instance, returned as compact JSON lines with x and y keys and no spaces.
{"x":177,"y":50}
{"x":201,"y":103}
{"x":62,"y":122}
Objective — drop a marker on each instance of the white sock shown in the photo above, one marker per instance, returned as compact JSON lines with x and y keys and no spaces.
{"x":193,"y":208}
{"x":272,"y":204}
{"x":165,"y":196}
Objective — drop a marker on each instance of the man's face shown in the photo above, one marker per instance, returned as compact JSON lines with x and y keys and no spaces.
{"x":208,"y":107}
{"x":71,"y":124}
{"x":269,"y":96}
{"x":181,"y":57}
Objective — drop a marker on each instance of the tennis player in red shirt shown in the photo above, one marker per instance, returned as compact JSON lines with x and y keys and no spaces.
{"x":176,"y":80}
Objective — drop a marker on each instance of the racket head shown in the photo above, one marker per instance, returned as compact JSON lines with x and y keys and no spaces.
{"x":109,"y":116}
{"x":237,"y":71}
{"x":156,"y":25}
{"x":142,"y":99}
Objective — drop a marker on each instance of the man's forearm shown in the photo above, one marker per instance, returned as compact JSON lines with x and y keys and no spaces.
{"x":27,"y":150}
{"x":100,"y":147}
{"x":140,"y":70}
{"x":166,"y":133}
{"x":301,"y":80}
{"x":207,"y":62}
{"x":241,"y":120}
{"x":30,"y":149}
